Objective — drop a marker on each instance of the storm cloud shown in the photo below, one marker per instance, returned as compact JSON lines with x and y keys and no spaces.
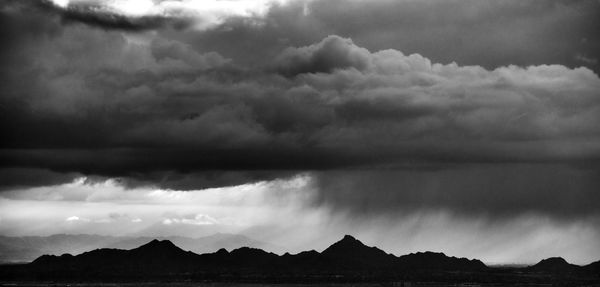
{"x":111,"y":100}
{"x":384,"y":120}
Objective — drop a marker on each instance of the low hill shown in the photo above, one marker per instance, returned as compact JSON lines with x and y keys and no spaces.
{"x":554,"y":265}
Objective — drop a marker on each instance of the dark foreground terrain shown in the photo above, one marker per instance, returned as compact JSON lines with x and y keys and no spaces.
{"x":346,"y":262}
{"x":167,"y":284}
{"x":172,"y":284}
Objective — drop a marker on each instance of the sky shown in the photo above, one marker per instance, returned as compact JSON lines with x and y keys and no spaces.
{"x":467,"y":127}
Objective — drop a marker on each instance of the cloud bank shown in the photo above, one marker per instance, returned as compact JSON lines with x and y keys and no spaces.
{"x":110,"y":106}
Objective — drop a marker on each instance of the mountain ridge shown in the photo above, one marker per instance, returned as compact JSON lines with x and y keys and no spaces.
{"x":347,"y":259}
{"x":341,"y":250}
{"x":27,"y":248}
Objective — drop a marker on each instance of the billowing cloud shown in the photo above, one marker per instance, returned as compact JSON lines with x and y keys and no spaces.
{"x":151,"y":104}
{"x":331,"y":54}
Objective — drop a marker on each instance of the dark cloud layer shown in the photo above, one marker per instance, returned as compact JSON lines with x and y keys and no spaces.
{"x":179,"y":109}
{"x":109,"y":20}
{"x":31,"y":177}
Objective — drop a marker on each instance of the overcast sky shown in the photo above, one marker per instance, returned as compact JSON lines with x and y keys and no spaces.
{"x":468,"y":127}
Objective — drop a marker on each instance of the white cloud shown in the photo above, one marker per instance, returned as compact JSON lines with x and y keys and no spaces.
{"x":205,"y":13}
{"x":76,"y":218}
{"x":198,"y":219}
{"x":109,"y":208}
{"x":61,"y":3}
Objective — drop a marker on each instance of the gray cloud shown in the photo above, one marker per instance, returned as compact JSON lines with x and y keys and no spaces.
{"x":154,"y":108}
{"x":331,"y":54}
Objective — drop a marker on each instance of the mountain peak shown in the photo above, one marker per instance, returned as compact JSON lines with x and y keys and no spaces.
{"x":352,"y":246}
{"x":158,"y":245}
{"x":349,"y":238}
{"x":345,"y":244}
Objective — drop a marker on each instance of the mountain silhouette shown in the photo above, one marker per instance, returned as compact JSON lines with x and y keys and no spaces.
{"x":438,"y":261}
{"x":352,"y":247}
{"x":160,"y":252}
{"x":155,"y":257}
{"x":161,"y":258}
{"x":346,"y":260}
{"x":28,"y":248}
{"x":554,"y":265}
{"x":158,"y":245}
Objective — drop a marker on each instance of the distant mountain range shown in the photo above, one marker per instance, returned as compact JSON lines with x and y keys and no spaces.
{"x":347,"y":260}
{"x":27,"y":248}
